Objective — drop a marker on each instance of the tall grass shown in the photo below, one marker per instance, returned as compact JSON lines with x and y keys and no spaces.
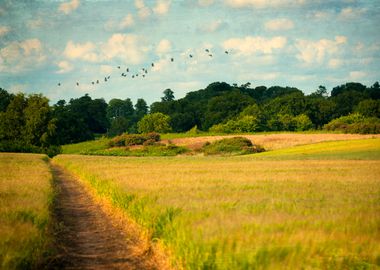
{"x":25,"y":197}
{"x":247,"y":213}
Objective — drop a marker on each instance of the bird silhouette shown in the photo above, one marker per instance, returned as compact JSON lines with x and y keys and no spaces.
{"x":210,"y":55}
{"x":59,"y":84}
{"x":207,"y":50}
{"x":92,"y":82}
{"x":172,"y":59}
{"x":97,"y":81}
{"x":133,"y":76}
{"x":105,"y":79}
{"x":226,"y":52}
{"x":190,"y":55}
{"x":118,"y":67}
{"x":127,"y":69}
{"x":77,"y":83}
{"x":152,"y":64}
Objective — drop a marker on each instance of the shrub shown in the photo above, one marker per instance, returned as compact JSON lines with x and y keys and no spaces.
{"x":354,"y":123}
{"x":135,"y":139}
{"x":235,"y":145}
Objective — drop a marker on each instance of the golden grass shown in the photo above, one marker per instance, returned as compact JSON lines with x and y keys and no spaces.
{"x":274,"y":141}
{"x":246,"y":213}
{"x":25,"y":197}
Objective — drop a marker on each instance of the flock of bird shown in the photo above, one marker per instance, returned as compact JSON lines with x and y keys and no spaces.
{"x":143,"y":72}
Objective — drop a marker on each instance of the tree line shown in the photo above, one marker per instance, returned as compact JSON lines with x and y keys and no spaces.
{"x":29,"y":124}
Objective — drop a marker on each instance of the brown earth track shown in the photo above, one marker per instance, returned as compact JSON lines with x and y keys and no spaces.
{"x":87,"y":237}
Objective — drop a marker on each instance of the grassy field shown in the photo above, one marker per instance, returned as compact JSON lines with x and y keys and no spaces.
{"x":270,"y":141}
{"x":306,"y":207}
{"x":25,"y":198}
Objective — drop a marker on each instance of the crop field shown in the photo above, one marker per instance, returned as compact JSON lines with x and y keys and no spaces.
{"x":25,"y":198}
{"x":306,"y":207}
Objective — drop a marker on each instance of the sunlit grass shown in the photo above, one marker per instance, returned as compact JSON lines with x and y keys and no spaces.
{"x":251,"y":213}
{"x":25,"y":198}
{"x":94,"y":145}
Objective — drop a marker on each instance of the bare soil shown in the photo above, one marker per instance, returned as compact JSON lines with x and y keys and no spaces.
{"x":89,"y":238}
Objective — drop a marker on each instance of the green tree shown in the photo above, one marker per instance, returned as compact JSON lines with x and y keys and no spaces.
{"x":12,"y":121}
{"x":369,"y":108}
{"x":168,"y":95}
{"x":141,"y":109}
{"x":155,"y":122}
{"x":5,"y":99}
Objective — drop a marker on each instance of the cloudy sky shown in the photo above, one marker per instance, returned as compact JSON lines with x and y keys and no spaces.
{"x":301,"y":43}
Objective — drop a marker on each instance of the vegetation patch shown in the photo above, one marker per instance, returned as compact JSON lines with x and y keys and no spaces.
{"x":231,"y":146}
{"x":355,"y":123}
{"x":25,"y":202}
{"x":135,"y":139}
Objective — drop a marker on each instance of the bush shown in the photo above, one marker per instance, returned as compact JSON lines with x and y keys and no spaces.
{"x":22,"y":147}
{"x":155,"y":122}
{"x":135,"y":139}
{"x":235,"y":145}
{"x":354,"y":123}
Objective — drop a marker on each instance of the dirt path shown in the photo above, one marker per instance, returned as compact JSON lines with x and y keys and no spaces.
{"x":88,"y":238}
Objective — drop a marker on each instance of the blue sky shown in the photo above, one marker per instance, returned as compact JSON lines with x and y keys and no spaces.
{"x":301,"y":43}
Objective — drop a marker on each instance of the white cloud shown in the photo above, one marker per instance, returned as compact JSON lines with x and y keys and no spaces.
{"x":127,"y":21}
{"x":84,"y":51}
{"x":205,"y":3}
{"x":311,"y":52}
{"x":20,"y":56}
{"x":139,"y":4}
{"x":163,"y":47}
{"x":162,"y":7}
{"x":68,"y":7}
{"x":144,"y":12}
{"x":106,"y":69}
{"x":355,"y":75}
{"x":335,"y":63}
{"x":4,"y":30}
{"x":127,"y":47}
{"x":34,"y":24}
{"x":320,"y":15}
{"x":250,"y":45}
{"x":64,"y":67}
{"x":212,"y":26}
{"x":279,"y":24}
{"x":351,"y":13}
{"x":262,"y":3}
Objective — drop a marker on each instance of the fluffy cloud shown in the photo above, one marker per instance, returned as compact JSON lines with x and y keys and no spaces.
{"x":126,"y":47}
{"x":311,"y":52}
{"x":335,"y":63}
{"x":127,"y":21}
{"x":163,"y":47}
{"x":212,"y":26}
{"x":279,"y":24}
{"x":64,"y":67}
{"x":20,"y":56}
{"x":205,"y":3}
{"x":351,"y":13}
{"x":356,"y":75}
{"x":162,"y":7}
{"x":142,"y":10}
{"x":262,"y":3}
{"x":68,"y":7}
{"x":34,"y":24}
{"x":4,"y":30}
{"x":250,"y":45}
{"x":106,"y":69}
{"x":84,"y":51}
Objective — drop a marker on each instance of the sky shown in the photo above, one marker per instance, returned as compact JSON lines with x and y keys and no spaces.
{"x":48,"y":46}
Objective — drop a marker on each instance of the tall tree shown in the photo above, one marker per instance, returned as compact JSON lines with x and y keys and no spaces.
{"x":168,"y":95}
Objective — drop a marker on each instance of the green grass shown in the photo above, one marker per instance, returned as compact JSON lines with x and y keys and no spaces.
{"x":349,"y":149}
{"x":149,"y":150}
{"x":25,"y":199}
{"x":278,"y":211}
{"x":77,"y":148}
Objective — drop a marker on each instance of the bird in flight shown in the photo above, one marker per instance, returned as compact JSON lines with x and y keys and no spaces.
{"x":172,"y":59}
{"x":59,"y":84}
{"x":77,"y":83}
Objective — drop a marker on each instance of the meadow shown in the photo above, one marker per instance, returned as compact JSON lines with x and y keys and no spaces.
{"x":26,"y":195}
{"x":306,"y":207}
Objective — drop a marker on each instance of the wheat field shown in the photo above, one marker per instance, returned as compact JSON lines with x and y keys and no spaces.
{"x":250,"y":212}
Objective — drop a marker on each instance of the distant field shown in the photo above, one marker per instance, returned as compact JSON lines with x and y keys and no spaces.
{"x":307,"y":207}
{"x":25,"y":197}
{"x":269,"y":141}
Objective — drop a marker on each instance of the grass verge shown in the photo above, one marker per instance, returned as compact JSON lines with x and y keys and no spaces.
{"x":26,"y":196}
